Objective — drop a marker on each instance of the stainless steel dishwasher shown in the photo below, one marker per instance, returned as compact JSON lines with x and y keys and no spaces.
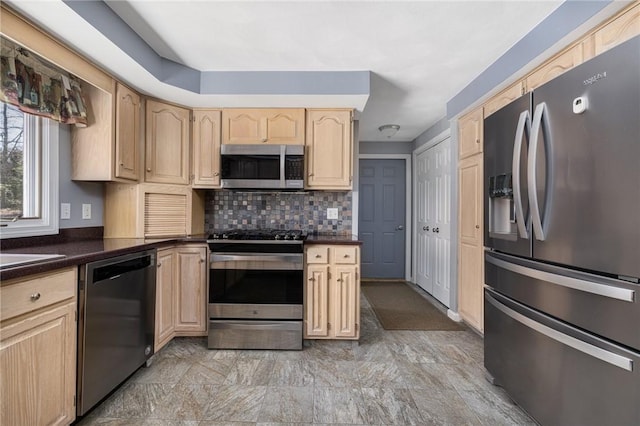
{"x":116,"y":299}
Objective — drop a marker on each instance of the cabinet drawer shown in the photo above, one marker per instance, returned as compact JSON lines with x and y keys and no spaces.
{"x":346,"y":255}
{"x":29,"y":294}
{"x":318,"y":254}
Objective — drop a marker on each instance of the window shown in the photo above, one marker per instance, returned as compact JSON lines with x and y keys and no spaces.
{"x":28,"y":174}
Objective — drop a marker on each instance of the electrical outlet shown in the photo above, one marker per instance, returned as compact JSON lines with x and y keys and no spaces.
{"x":332,"y":213}
{"x":86,"y":211}
{"x":65,"y":211}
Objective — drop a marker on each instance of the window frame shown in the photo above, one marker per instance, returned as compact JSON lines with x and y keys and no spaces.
{"x":47,"y":223}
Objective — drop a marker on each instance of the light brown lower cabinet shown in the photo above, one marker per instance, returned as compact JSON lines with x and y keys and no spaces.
{"x":181,"y":293}
{"x":332,"y":292}
{"x":38,"y":349}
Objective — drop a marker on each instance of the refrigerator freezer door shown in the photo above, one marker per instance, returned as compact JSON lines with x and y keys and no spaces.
{"x":590,"y":216}
{"x":506,"y":203}
{"x":600,"y":305}
{"x":557,"y":373}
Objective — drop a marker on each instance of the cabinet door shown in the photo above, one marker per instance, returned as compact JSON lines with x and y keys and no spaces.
{"x":329,"y":149}
{"x":284,"y":126}
{"x":256,"y":126}
{"x":470,"y":261}
{"x":38,"y":365}
{"x":206,"y":148}
{"x":191,"y":289}
{"x":167,"y":144}
{"x":165,"y":299}
{"x":127,"y":133}
{"x":619,"y":30}
{"x":503,"y":98}
{"x":558,"y":65}
{"x":470,"y":133}
{"x":345,"y":302}
{"x":316,"y":315}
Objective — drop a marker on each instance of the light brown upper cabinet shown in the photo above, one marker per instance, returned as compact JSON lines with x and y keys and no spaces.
{"x":619,"y":30}
{"x":256,"y":126}
{"x":127,"y":133}
{"x":108,"y":148}
{"x":503,"y":98}
{"x":329,"y":154}
{"x":206,"y":148}
{"x":471,"y":128}
{"x":556,"y":66}
{"x":167,"y":143}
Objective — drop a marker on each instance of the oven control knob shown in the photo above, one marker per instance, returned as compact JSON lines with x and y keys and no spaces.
{"x":277,"y":237}
{"x":287,"y":237}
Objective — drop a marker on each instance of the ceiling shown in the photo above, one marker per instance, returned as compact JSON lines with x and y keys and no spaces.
{"x":420,"y":53}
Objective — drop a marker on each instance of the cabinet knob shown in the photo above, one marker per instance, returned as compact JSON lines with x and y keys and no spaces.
{"x":318,"y":256}
{"x":264,"y":140}
{"x":159,"y":264}
{"x":477,"y":226}
{"x":216,"y":173}
{"x":149,"y":169}
{"x":339,"y":280}
{"x":311,"y":279}
{"x":346,"y":255}
{"x":477,"y":140}
{"x":310,"y":174}
{"x":35,"y":297}
{"x":121,"y":164}
{"x":201,"y":260}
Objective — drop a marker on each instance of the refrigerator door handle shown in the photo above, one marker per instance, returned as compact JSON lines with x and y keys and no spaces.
{"x":539,"y":120}
{"x":586,"y":348}
{"x":524,"y":123}
{"x":612,"y":292}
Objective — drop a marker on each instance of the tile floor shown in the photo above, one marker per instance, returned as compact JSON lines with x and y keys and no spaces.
{"x":389,"y":377}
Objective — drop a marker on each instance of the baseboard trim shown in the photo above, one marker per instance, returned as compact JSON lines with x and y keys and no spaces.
{"x":454,"y":315}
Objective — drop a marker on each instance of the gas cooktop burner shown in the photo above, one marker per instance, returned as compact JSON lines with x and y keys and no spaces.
{"x":259,"y":234}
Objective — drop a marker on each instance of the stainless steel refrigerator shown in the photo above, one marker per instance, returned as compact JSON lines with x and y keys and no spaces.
{"x":562,"y":244}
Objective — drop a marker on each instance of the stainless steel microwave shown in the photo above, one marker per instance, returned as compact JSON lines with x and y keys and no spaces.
{"x":262,"y":166}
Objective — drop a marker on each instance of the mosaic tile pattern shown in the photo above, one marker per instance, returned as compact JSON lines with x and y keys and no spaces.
{"x":306,"y":211}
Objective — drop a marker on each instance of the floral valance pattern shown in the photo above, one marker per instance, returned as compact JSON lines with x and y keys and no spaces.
{"x":38,"y":87}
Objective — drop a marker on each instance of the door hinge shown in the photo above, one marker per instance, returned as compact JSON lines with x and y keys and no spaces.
{"x":329,"y":275}
{"x":328,"y":326}
{"x":75,"y":400}
{"x":357,"y":326}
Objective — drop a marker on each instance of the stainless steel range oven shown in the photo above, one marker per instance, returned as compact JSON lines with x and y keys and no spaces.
{"x":255,"y":290}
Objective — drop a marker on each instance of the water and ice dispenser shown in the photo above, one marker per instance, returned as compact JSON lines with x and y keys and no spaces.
{"x":502,"y":218}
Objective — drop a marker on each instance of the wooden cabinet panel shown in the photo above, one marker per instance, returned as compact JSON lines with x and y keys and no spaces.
{"x":329,"y":149}
{"x":504,"y":98}
{"x":127,"y":133}
{"x":165,"y":299}
{"x":38,"y":349}
{"x":36,"y":291}
{"x":270,"y":126}
{"x":108,"y":148}
{"x":316,"y":319}
{"x":152,"y":210}
{"x":38,"y":364}
{"x":619,"y":30}
{"x":167,"y":143}
{"x":556,"y":66}
{"x":191,"y":300}
{"x":470,"y":247}
{"x":206,"y":148}
{"x":346,"y":302}
{"x":332,"y":292}
{"x":470,"y":133}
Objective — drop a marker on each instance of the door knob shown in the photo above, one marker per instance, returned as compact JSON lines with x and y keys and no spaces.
{"x":400,"y":228}
{"x":425,"y":228}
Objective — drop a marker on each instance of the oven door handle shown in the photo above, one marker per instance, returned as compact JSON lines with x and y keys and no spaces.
{"x":291,"y":257}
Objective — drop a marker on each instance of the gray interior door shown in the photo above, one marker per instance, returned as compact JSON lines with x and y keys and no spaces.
{"x":382,"y":218}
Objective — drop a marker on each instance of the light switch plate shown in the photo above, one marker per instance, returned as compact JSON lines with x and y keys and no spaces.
{"x":332,"y":213}
{"x":65,"y":210}
{"x":86,"y":211}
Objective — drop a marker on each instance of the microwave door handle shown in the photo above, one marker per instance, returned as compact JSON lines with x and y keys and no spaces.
{"x":283,"y":152}
{"x":524,"y":123}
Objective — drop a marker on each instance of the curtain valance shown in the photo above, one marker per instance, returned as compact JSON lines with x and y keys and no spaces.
{"x":38,"y":87}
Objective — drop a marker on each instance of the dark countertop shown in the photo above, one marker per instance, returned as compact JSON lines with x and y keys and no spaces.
{"x":83,"y":246}
{"x":84,"y":251}
{"x":332,"y":239}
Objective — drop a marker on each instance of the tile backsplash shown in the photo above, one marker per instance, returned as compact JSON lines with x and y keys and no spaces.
{"x":306,"y":211}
